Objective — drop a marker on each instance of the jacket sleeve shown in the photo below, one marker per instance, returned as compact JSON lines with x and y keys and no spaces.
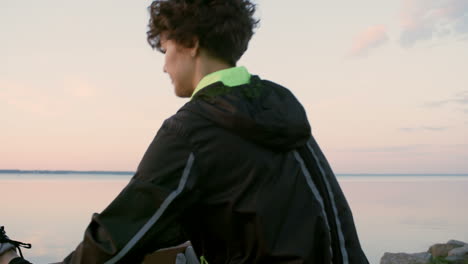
{"x":146,"y":215}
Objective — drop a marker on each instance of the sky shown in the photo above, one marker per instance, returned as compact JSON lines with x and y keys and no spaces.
{"x":384,"y":83}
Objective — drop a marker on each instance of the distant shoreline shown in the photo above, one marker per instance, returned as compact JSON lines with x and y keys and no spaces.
{"x":132,"y":172}
{"x":66,"y":172}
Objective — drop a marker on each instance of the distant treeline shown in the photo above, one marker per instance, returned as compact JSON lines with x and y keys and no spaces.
{"x":66,"y":172}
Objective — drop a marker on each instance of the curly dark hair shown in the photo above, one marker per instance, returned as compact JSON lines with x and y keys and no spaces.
{"x":222,"y":27}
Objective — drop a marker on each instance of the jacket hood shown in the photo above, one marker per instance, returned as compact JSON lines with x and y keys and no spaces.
{"x":261,"y":111}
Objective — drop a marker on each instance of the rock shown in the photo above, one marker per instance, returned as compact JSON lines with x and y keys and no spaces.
{"x":441,"y":250}
{"x":405,"y":258}
{"x":456,"y":242}
{"x":456,"y":259}
{"x":459,"y":251}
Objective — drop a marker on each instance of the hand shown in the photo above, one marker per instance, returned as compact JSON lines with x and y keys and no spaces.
{"x":7,"y":256}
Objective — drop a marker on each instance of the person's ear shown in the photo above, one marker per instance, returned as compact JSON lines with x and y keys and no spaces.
{"x":195,"y":49}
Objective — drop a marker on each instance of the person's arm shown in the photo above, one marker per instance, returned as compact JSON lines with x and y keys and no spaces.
{"x":145,"y":216}
{"x":11,"y":257}
{"x":7,"y":256}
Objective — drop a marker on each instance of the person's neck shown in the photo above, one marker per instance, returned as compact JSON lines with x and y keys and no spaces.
{"x":208,"y":66}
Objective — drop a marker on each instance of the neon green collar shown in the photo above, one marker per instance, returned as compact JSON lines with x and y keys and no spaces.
{"x":230,"y":77}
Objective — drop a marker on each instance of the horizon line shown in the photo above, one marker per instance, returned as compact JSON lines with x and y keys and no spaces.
{"x":4,"y":171}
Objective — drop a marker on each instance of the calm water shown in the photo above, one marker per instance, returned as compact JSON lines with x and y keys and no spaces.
{"x":392,"y":213}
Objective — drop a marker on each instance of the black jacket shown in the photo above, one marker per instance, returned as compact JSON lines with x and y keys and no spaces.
{"x":237,"y":172}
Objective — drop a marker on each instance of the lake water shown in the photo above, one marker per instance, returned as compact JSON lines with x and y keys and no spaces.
{"x":392,"y":213}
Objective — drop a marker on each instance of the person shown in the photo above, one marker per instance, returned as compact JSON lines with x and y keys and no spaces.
{"x":236,"y":171}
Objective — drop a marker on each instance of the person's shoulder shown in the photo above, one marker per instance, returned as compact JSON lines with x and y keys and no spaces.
{"x":185,"y":121}
{"x":273,"y":87}
{"x":268,"y":82}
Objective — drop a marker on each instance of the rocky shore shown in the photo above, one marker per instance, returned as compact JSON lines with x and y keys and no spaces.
{"x":452,"y":252}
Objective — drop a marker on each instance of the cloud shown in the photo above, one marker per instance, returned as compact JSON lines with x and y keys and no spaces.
{"x":408,"y":148}
{"x":369,"y":39}
{"x":24,"y":98}
{"x":463,"y":38}
{"x":79,"y":87}
{"x":436,"y":103}
{"x":403,"y":148}
{"x":40,"y":100}
{"x":423,"y":19}
{"x":460,"y":98}
{"x":423,"y":128}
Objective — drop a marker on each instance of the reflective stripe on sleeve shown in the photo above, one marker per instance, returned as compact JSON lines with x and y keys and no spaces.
{"x":335,"y":210}
{"x":156,"y":215}
{"x":314,"y":190}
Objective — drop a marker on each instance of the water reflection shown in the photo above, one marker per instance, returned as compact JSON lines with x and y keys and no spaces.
{"x":392,"y":214}
{"x":397,"y":214}
{"x":53,"y":213}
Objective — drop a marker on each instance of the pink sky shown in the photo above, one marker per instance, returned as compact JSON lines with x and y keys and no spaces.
{"x":383,"y":83}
